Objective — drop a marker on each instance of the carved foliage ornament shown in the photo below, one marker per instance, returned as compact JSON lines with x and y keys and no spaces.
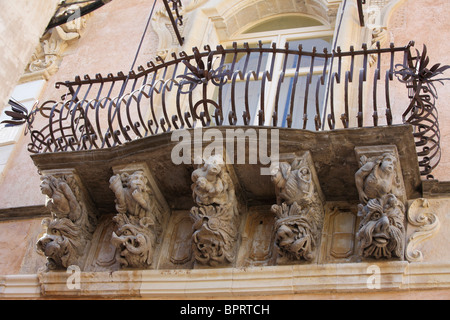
{"x":428,"y":225}
{"x":382,"y":229}
{"x":72,"y":223}
{"x":299,"y":212}
{"x":138,"y":220}
{"x":216,"y":217}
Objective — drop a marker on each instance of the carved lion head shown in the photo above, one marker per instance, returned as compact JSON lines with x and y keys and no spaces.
{"x":61,"y":244}
{"x":382,"y":232}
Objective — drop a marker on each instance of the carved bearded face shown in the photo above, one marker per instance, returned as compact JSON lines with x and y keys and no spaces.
{"x":61,"y":244}
{"x":382,"y":232}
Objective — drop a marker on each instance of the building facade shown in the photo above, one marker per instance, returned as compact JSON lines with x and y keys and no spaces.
{"x":229,"y":149}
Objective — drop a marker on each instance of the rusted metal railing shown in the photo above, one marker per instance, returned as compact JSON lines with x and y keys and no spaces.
{"x":262,"y":85}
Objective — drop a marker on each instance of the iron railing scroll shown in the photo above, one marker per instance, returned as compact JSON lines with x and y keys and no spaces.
{"x":262,"y":85}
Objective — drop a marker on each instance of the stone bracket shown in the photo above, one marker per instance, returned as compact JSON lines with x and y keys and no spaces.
{"x":142,"y":215}
{"x":73,"y":219}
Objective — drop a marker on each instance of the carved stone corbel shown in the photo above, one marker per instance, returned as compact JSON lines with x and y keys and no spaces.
{"x":379,"y":182}
{"x":73,"y":219}
{"x":216,"y":216}
{"x":299,"y":210}
{"x":428,"y":226}
{"x":141,"y":215}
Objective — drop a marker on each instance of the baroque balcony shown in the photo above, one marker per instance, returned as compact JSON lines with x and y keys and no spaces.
{"x":245,"y":86}
{"x":107,"y":143}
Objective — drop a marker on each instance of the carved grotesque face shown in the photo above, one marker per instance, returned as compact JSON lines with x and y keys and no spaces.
{"x":215,"y":233}
{"x":381,"y":233}
{"x":135,"y":244}
{"x":295,"y":241}
{"x":208,"y":246}
{"x":61,"y":244}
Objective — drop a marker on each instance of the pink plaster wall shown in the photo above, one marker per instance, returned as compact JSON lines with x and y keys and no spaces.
{"x":427,"y":22}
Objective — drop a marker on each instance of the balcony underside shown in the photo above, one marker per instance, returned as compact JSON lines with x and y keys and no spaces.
{"x":333,"y":154}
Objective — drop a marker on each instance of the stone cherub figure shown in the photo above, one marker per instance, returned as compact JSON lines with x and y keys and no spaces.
{"x":211,"y":183}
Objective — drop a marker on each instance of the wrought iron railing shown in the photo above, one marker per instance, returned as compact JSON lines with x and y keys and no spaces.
{"x":262,"y":85}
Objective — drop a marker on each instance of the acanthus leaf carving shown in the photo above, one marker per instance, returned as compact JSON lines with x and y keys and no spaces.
{"x":428,"y":226}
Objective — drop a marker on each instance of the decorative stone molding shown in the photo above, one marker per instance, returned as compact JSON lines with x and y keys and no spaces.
{"x":216,"y":216}
{"x":378,"y":13}
{"x":299,"y":210}
{"x":338,"y":242}
{"x":73,"y":219}
{"x":141,"y":215}
{"x":381,"y":192}
{"x":428,"y":226}
{"x":48,"y":55}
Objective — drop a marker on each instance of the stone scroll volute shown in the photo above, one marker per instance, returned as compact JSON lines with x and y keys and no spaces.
{"x":73,"y":219}
{"x":299,"y":210}
{"x":382,"y":197}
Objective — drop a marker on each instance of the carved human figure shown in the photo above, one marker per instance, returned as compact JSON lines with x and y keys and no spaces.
{"x":211,"y":183}
{"x":381,"y":232}
{"x":292,"y":184}
{"x":382,"y":229}
{"x":132,"y":194}
{"x":60,"y":200}
{"x":377,"y":177}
